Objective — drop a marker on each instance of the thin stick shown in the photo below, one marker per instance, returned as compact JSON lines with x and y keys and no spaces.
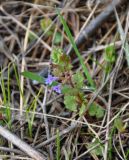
{"x":6,"y":149}
{"x":108,"y":118}
{"x":40,"y":115}
{"x":21,"y":144}
{"x":46,"y":122}
{"x":65,"y":131}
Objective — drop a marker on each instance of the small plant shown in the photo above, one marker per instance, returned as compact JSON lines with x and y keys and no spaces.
{"x":109,"y":57}
{"x":31,"y":37}
{"x":98,"y":150}
{"x":57,"y":38}
{"x":127,"y":154}
{"x":96,"y":110}
{"x":71,"y":39}
{"x":32,"y":108}
{"x":118,"y":123}
{"x":6,"y":99}
{"x":49,"y":28}
{"x":63,"y":80}
{"x":45,"y":23}
{"x":71,"y":85}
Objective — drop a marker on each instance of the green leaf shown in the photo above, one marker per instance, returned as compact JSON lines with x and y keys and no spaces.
{"x":70,"y":103}
{"x":92,"y":109}
{"x":108,"y":68}
{"x":98,"y":150}
{"x":119,"y":124}
{"x":57,"y":38}
{"x":55,"y":56}
{"x":57,"y":72}
{"x":33,"y":76}
{"x":65,"y":63}
{"x":55,"y":83}
{"x":100,"y":112}
{"x":62,"y":61}
{"x":67,"y":90}
{"x":45,"y":23}
{"x":32,"y":37}
{"x":82,"y":109}
{"x":96,"y":110}
{"x":127,"y":154}
{"x":78,"y":79}
{"x":109,"y":55}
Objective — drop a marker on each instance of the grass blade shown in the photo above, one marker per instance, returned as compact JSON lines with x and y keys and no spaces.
{"x":33,"y":76}
{"x":66,"y":28}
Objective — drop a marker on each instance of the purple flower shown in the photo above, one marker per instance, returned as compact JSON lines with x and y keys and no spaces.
{"x":57,"y":88}
{"x":50,"y":79}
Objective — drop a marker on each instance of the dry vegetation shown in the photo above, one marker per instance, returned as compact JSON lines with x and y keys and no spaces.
{"x":34,"y":123}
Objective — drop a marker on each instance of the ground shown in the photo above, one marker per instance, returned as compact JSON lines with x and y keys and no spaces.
{"x":64,"y":80}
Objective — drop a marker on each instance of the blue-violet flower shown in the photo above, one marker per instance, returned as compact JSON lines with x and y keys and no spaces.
{"x":50,"y":79}
{"x":57,"y":88}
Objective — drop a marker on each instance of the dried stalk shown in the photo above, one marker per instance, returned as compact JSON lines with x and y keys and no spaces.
{"x":21,"y":144}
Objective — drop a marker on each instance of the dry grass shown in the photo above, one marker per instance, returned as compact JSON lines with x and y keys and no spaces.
{"x":80,"y":138}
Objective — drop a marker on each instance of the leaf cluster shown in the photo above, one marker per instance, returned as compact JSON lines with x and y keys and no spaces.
{"x":97,"y":150}
{"x":47,"y":26}
{"x":96,"y":110}
{"x":74,"y":99}
{"x":61,"y":62}
{"x":110,"y":55}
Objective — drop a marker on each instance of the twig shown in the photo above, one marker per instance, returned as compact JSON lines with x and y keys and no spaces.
{"x":117,"y":150}
{"x":46,"y":122}
{"x":65,"y":131}
{"x":6,"y":149}
{"x":108,"y":118}
{"x":21,"y":144}
{"x":121,"y":145}
{"x":14,"y":157}
{"x":40,"y":115}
